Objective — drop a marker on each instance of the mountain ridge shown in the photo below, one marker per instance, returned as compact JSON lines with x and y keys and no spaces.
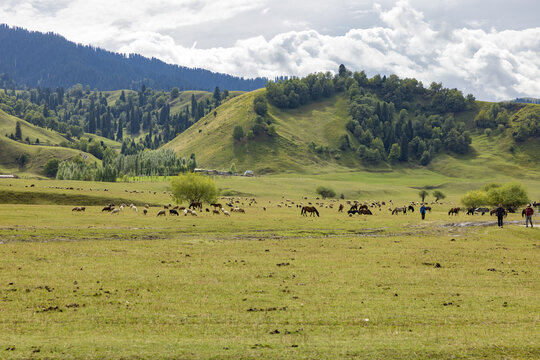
{"x":49,"y":60}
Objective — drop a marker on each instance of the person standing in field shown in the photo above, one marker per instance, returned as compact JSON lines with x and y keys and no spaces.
{"x":423,"y":211}
{"x":500,"y":212}
{"x":528,"y":215}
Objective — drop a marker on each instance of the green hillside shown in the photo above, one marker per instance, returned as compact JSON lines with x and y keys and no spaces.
{"x":323,"y":124}
{"x":45,"y":136}
{"x":38,"y":155}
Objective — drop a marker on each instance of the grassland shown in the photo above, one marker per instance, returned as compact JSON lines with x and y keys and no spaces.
{"x":268,"y":283}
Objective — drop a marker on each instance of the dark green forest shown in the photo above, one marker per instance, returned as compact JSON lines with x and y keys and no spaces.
{"x":35,"y":59}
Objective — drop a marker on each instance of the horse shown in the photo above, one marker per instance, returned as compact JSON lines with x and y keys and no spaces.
{"x":196,"y":205}
{"x":364,"y":212}
{"x":362,"y":207}
{"x":454,"y":211}
{"x":108,"y":208}
{"x":399,"y":209}
{"x":217,"y":205}
{"x":470,"y":211}
{"x":309,"y":209}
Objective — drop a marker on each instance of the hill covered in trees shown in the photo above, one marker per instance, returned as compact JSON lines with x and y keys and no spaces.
{"x":36,"y":59}
{"x":350,"y":121}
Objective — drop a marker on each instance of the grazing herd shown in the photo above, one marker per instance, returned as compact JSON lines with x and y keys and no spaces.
{"x":232,"y":205}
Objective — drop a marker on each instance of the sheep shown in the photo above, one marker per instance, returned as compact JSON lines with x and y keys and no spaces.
{"x":145,"y":211}
{"x":115,"y":211}
{"x":134,"y":208}
{"x":161,"y":212}
{"x":226,"y":213}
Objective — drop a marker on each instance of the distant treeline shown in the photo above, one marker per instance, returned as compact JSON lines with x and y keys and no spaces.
{"x":49,"y":60}
{"x":163,"y":162}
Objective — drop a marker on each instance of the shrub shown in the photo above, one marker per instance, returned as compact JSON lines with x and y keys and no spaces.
{"x":325,"y":192}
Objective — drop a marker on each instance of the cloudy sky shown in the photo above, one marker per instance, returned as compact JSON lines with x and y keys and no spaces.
{"x":490,"y":48}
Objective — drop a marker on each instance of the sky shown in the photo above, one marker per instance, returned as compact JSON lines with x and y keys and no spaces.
{"x":490,"y":48}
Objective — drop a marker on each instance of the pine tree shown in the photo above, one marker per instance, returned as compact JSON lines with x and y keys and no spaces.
{"x":120,"y":132}
{"x":193,"y":107}
{"x":404,"y":147}
{"x":18,"y":131}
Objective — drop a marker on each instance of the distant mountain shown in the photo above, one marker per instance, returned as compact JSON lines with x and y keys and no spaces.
{"x":527,"y":100}
{"x":49,"y":60}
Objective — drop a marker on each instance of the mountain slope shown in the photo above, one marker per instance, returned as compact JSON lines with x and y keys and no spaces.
{"x":45,"y":136}
{"x":322,"y":123}
{"x":308,"y":140}
{"x":38,"y":155}
{"x":49,"y":60}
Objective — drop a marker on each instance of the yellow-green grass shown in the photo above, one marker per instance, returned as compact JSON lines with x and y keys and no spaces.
{"x":108,"y":142}
{"x":45,"y":136}
{"x":93,"y":285}
{"x":38,"y":155}
{"x":211,"y":137}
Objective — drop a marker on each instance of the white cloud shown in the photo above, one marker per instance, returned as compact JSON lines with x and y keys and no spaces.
{"x":491,"y":64}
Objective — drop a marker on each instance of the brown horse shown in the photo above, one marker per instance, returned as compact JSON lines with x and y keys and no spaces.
{"x":196,"y":205}
{"x":309,"y":209}
{"x":217,"y":205}
{"x":454,"y":211}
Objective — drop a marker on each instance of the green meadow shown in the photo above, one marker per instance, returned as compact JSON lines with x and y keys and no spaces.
{"x":268,"y":283}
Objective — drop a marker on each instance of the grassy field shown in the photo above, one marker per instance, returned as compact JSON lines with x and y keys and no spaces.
{"x":268,"y":283}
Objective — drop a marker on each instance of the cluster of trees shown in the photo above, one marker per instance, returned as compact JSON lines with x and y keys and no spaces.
{"x":384,"y":135}
{"x":162,"y":162}
{"x":49,"y":60}
{"x":78,"y":169}
{"x":510,"y":195}
{"x":80,"y":110}
{"x":524,"y":124}
{"x":262,"y":125}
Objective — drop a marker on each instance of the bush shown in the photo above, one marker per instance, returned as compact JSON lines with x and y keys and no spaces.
{"x":325,"y":192}
{"x":238,"y":133}
{"x":51,"y":168}
{"x":474,"y":198}
{"x":193,"y":187}
{"x":260,"y":105}
{"x":510,"y":195}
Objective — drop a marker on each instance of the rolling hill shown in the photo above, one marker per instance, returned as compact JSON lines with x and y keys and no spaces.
{"x":38,"y":155}
{"x":323,"y":123}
